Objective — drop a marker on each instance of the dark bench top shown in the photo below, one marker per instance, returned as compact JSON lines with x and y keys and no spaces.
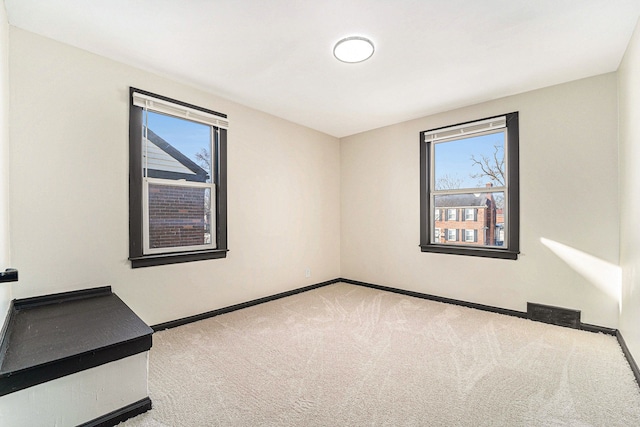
{"x":56,"y":335}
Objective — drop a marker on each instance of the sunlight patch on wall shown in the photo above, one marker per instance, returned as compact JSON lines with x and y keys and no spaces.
{"x":604,"y":275}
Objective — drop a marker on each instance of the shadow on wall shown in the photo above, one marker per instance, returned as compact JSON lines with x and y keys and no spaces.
{"x":602,"y":274}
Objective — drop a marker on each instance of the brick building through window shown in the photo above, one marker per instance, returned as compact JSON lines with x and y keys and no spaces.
{"x":178,"y":215}
{"x":468,"y":219}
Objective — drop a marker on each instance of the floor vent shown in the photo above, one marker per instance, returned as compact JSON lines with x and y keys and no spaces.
{"x":554,"y":315}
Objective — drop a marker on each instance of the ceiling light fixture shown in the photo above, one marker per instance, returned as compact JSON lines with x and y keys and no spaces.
{"x":353,"y":49}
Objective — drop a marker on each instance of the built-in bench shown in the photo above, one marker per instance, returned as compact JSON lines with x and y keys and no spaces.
{"x":49,"y":338}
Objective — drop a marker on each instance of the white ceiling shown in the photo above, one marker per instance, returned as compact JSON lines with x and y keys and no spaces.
{"x":276,"y":55}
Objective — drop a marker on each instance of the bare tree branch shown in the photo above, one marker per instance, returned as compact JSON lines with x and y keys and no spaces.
{"x":448,"y":182}
{"x":491,"y":167}
{"x":202,"y":159}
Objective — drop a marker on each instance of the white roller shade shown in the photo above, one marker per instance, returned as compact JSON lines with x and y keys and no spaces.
{"x":462,"y":131}
{"x":166,"y":107}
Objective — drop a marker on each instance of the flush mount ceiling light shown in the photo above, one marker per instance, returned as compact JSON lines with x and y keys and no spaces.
{"x":353,"y":49}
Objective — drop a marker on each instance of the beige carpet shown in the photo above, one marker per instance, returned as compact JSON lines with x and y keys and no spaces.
{"x":345,"y":355}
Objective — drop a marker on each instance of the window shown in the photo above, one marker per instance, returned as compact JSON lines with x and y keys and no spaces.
{"x":470,"y":214}
{"x":437,"y":214}
{"x":452,"y":234}
{"x":472,"y":168}
{"x":470,"y":236}
{"x":436,"y":234}
{"x":177,"y":181}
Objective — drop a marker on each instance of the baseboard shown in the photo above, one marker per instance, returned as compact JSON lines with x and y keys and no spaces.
{"x":521,"y":314}
{"x":120,"y":415}
{"x":489,"y":308}
{"x":598,"y":329}
{"x":482,"y":307}
{"x":213,"y":313}
{"x":629,"y":356}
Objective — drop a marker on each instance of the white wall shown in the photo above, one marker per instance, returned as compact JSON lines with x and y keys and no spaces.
{"x":629,"y":105}
{"x":568,"y":182}
{"x":69,"y":190}
{"x":5,"y":258}
{"x":78,"y":398}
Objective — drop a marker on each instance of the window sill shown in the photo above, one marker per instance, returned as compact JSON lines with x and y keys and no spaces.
{"x":176,"y":257}
{"x":479,"y":252}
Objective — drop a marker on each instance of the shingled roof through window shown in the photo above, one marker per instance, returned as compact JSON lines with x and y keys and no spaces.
{"x":192,"y":171}
{"x":462,"y":200}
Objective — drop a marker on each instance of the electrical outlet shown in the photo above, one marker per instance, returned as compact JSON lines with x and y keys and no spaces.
{"x":307,"y":272}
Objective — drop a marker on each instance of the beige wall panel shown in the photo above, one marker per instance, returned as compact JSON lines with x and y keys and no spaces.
{"x":568,"y":192}
{"x":629,"y":104}
{"x":69,"y":190}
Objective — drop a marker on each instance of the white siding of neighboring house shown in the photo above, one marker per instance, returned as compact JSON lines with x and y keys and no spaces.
{"x":158,"y":159}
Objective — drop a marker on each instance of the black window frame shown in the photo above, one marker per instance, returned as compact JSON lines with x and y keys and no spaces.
{"x":513,"y":203}
{"x":219,"y":161}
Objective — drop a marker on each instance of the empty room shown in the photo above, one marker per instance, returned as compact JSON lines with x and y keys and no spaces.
{"x":329,"y":213}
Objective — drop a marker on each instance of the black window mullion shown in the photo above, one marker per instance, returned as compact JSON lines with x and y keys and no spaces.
{"x":221,"y":189}
{"x":135,"y":181}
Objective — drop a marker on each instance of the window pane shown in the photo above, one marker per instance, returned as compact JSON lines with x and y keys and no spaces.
{"x":176,"y":149}
{"x":469,"y":235}
{"x":470,"y":214}
{"x":470,"y":163}
{"x":484,"y":222}
{"x":179,"y":216}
